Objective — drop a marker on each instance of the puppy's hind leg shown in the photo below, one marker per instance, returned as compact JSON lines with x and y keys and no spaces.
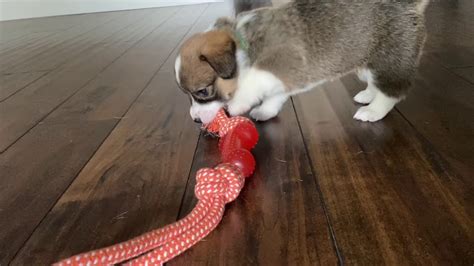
{"x":366,"y":96}
{"x":269,"y":108}
{"x":393,"y":66}
{"x":389,"y":89}
{"x":377,"y":109}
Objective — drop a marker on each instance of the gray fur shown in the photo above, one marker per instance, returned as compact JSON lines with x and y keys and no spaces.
{"x":311,"y":40}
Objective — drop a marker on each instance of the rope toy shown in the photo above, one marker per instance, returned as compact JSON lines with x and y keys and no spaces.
{"x":214,"y":188}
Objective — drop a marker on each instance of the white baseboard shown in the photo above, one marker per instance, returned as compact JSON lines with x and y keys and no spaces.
{"x":20,"y":9}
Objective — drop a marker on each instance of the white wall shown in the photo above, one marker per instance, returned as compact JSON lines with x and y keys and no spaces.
{"x":18,"y":9}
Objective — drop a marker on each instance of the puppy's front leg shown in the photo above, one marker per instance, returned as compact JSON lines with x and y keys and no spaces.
{"x":253,"y":86}
{"x":241,"y":103}
{"x":269,"y":108}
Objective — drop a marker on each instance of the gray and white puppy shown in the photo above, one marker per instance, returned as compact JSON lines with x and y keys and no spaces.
{"x":257,"y":61}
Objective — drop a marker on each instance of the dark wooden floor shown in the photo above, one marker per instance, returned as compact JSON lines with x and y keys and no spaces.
{"x":96,"y":146}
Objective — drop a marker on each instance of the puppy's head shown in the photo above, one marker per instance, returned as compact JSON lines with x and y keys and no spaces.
{"x":205,"y":69}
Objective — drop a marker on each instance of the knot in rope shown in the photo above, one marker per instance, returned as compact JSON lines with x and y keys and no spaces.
{"x":225,"y":180}
{"x":223,"y":124}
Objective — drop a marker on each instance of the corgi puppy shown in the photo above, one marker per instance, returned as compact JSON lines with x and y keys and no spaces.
{"x":256,"y":61}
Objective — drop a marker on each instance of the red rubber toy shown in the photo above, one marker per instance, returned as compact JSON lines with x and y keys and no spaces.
{"x":214,"y":188}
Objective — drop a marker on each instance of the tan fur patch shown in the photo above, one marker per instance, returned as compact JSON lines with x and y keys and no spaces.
{"x":205,"y":57}
{"x":226,"y":87}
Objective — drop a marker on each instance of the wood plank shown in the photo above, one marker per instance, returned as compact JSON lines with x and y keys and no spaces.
{"x":440,"y":107}
{"x":22,"y":27}
{"x":10,"y":59}
{"x":451,"y":32}
{"x":16,"y":38}
{"x":126,"y":23}
{"x":29,"y":106}
{"x":391,"y":199}
{"x":466,"y":73}
{"x":140,"y":170}
{"x":450,"y":23}
{"x":19,"y":34}
{"x":56,"y":55}
{"x":70,"y":49}
{"x":25,"y":109}
{"x":74,"y":131}
{"x":22,"y":41}
{"x":278,"y":218}
{"x":455,"y":56}
{"x":123,"y":190}
{"x":126,"y":26}
{"x":11,"y":31}
{"x":10,"y":84}
{"x":62,"y":27}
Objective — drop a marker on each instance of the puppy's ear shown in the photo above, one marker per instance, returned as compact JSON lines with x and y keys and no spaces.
{"x":219,"y":52}
{"x":224,"y":23}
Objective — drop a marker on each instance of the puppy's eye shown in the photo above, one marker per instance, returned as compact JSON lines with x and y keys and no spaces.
{"x":202,"y":93}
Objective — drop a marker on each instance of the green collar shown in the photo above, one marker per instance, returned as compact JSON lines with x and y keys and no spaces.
{"x":242,"y":41}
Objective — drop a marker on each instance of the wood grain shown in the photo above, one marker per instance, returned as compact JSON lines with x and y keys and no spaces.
{"x":451,"y":32}
{"x":28,"y":107}
{"x":55,"y":56}
{"x":32,"y":179}
{"x":51,"y":55}
{"x":391,"y":199}
{"x":27,"y":28}
{"x":134,"y":182}
{"x":122,"y":186}
{"x":7,"y":46}
{"x":440,"y":107}
{"x":25,"y":109}
{"x":11,"y":84}
{"x":19,"y":55}
{"x":466,"y":73}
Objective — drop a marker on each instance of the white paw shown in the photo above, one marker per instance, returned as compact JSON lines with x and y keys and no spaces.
{"x":236,"y":108}
{"x":364,"y":97}
{"x":368,"y":114}
{"x":263,"y":114}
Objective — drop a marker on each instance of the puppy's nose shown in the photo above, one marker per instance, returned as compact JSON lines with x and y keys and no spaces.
{"x":197,"y":120}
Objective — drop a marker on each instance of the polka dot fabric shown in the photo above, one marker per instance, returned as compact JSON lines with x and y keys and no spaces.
{"x":214,"y":188}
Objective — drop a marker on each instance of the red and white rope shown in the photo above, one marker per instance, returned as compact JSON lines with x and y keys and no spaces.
{"x":214,"y":188}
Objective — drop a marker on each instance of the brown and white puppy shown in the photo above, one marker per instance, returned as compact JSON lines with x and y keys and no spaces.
{"x":257,"y":61}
